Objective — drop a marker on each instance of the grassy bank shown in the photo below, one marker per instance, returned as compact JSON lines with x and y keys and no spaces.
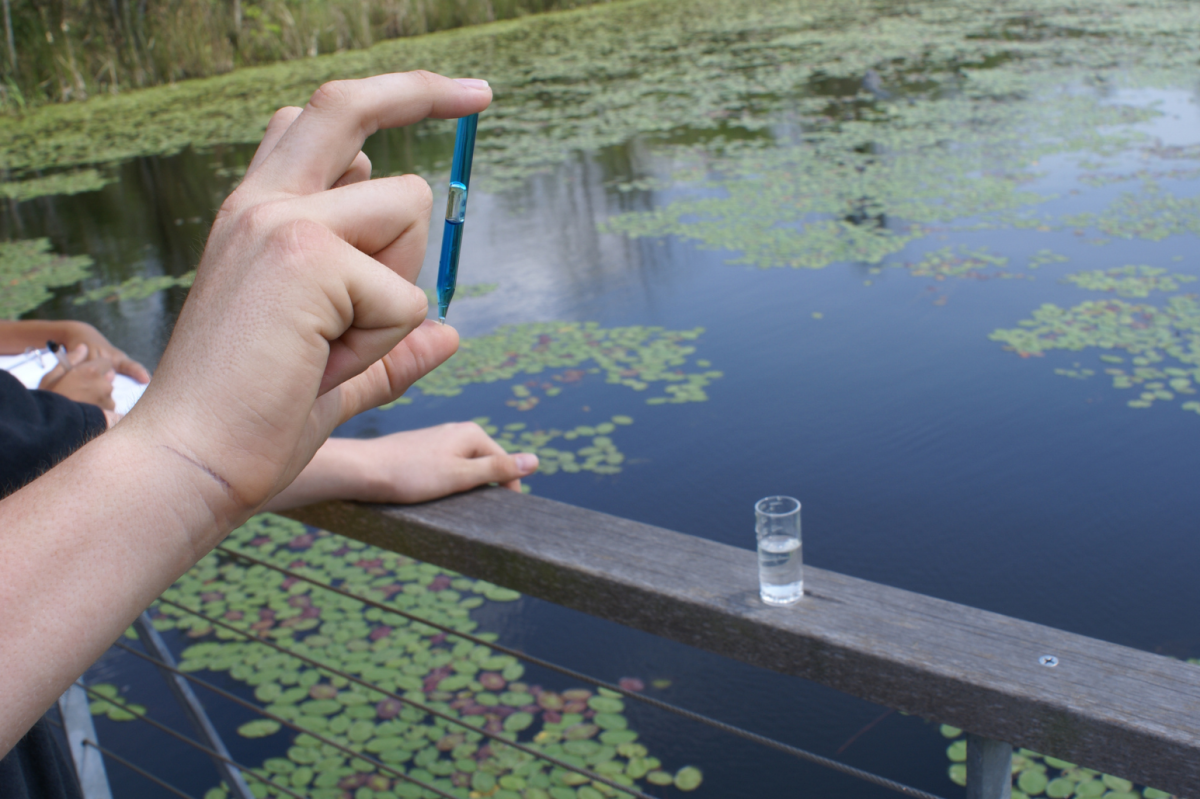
{"x":74,"y":49}
{"x":666,"y":70}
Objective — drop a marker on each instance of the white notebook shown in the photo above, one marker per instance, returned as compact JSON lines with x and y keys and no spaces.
{"x":30,"y":369}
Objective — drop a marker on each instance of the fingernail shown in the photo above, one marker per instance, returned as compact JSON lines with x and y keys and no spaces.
{"x":527,"y":463}
{"x":472,"y":83}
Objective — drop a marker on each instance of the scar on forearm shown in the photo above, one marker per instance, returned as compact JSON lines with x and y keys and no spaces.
{"x":221,"y":481}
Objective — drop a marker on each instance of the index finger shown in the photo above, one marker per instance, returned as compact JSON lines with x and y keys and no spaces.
{"x":321,"y":143}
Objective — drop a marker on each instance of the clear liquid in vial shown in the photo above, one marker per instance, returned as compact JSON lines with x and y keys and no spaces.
{"x":780,"y":570}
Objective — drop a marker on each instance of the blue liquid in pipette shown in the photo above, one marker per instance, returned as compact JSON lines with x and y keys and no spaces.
{"x":456,"y":211}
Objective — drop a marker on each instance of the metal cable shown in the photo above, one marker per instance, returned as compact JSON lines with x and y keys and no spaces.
{"x":110,"y":754}
{"x":700,"y":718}
{"x":194,"y":744}
{"x":591,"y":775}
{"x":267,"y":714}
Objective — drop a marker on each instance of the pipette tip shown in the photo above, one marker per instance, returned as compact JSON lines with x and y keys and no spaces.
{"x":441,"y":320}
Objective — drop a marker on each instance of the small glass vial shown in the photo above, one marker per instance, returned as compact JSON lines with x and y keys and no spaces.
{"x":780,"y":565}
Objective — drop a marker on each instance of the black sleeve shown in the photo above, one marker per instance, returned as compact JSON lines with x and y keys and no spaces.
{"x":36,"y":768}
{"x":38,"y":429}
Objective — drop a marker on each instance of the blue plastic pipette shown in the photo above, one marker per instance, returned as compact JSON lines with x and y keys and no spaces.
{"x":456,"y":212}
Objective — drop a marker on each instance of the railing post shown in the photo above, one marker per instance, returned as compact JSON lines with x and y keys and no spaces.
{"x":73,"y":706}
{"x":989,"y":768}
{"x":155,"y":646}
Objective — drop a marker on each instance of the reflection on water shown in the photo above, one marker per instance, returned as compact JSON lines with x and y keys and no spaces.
{"x":937,"y":208}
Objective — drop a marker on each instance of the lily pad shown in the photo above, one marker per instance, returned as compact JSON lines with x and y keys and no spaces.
{"x":260,"y":728}
{"x":688,"y":778}
{"x":518,"y":721}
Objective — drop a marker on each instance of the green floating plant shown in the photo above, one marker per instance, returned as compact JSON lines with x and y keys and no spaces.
{"x":582,"y":726}
{"x":1162,"y":343}
{"x":863,"y":187}
{"x":465,"y":291}
{"x":1040,"y":775}
{"x":598,"y":454}
{"x":1044,"y":257}
{"x":28,"y":270}
{"x":1151,"y":214}
{"x":136,"y":288}
{"x":960,"y":262}
{"x":1129,"y":281}
{"x":559,"y":354}
{"x":60,"y":183}
{"x":99,"y":707}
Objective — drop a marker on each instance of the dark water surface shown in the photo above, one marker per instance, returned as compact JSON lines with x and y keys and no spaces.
{"x":927,"y":455}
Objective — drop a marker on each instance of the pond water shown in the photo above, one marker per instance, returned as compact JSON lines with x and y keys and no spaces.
{"x":928,"y":267}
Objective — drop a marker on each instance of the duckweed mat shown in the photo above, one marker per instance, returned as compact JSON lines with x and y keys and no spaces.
{"x":584,"y":727}
{"x":1040,"y":775}
{"x":1154,"y":348}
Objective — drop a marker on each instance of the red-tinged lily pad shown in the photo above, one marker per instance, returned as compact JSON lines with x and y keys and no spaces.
{"x":447,"y":742}
{"x":580,"y":731}
{"x":389,"y":708}
{"x":323,"y":691}
{"x":632,"y":684}
{"x":492,"y":681}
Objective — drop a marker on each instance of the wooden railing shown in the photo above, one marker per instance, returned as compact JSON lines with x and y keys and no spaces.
{"x":1104,"y":706}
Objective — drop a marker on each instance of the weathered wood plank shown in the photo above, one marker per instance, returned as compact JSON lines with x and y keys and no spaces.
{"x":1108,"y":707}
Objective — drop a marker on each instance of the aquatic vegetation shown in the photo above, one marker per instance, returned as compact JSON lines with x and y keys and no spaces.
{"x":960,"y":263}
{"x":1163,"y":342}
{"x":583,"y":80}
{"x":465,"y":291}
{"x":99,"y":707}
{"x":861,"y":189}
{"x":1040,"y":775}
{"x":598,"y":454}
{"x":75,"y":182}
{"x":1129,"y":281}
{"x":1077,"y":372}
{"x":545,"y":359}
{"x":28,"y":270}
{"x":136,"y":288}
{"x":1098,"y":179}
{"x":1152,"y":214}
{"x":1045,"y":257}
{"x":561,"y":354}
{"x":465,"y":680}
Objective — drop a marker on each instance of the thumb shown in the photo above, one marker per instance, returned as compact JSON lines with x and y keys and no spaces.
{"x":78,"y":354}
{"x":417,"y":354}
{"x":507,"y":470}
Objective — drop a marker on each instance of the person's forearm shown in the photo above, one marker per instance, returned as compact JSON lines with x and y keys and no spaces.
{"x":18,"y":336}
{"x":84,"y":549}
{"x":337,"y":471}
